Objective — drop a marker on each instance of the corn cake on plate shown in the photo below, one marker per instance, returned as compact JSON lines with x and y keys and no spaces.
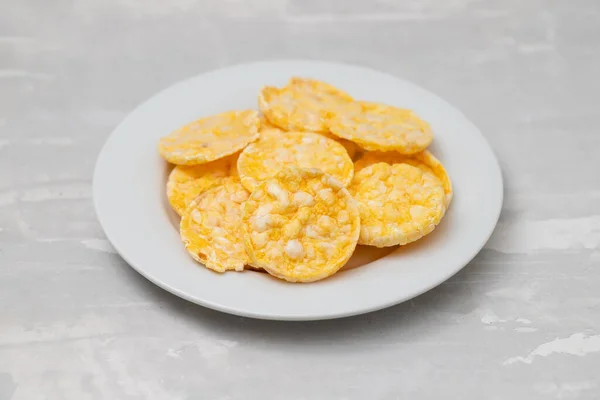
{"x":290,"y":230}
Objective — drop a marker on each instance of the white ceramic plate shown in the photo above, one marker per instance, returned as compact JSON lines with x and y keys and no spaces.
{"x":130,"y":200}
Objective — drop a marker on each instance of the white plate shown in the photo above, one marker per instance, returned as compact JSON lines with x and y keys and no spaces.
{"x":130,"y":200}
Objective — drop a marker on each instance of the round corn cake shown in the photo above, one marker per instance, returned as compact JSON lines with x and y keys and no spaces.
{"x":265,"y":158}
{"x":398,"y":203}
{"x":301,"y":225}
{"x":423,"y":160}
{"x":186,"y":182}
{"x":210,"y":138}
{"x":211,"y":227}
{"x":376,"y":126}
{"x":299,"y":105}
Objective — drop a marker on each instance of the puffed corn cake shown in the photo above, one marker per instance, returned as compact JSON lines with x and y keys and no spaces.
{"x":263,"y":159}
{"x":301,"y":226}
{"x":211,"y":227}
{"x":299,"y":105}
{"x":423,"y":160}
{"x":186,"y":182}
{"x":376,"y":126}
{"x":398,"y":203}
{"x":210,"y":138}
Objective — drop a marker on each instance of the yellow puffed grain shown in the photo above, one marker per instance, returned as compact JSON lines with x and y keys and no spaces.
{"x":211,"y":227}
{"x":210,"y":138}
{"x":301,"y":225}
{"x":423,"y":160}
{"x":265,"y":158}
{"x":380,"y":127}
{"x":185,"y":183}
{"x":398,"y":203}
{"x":299,"y":105}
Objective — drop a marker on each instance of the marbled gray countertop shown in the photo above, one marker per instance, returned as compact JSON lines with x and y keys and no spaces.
{"x":522,"y":321}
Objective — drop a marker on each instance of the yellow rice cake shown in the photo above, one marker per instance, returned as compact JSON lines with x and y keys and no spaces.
{"x":299,"y":105}
{"x":301,"y":225}
{"x":423,"y":160}
{"x":211,"y":227}
{"x":398,"y":203}
{"x":186,"y":182}
{"x":380,"y":127}
{"x":210,"y":138}
{"x":265,"y":158}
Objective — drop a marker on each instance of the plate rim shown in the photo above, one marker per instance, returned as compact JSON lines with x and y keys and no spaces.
{"x":324,"y":315}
